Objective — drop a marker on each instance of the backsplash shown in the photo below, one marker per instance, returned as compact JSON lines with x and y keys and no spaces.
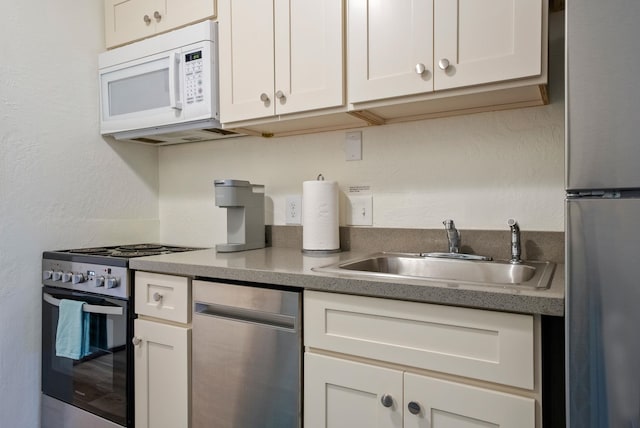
{"x":536,"y":246}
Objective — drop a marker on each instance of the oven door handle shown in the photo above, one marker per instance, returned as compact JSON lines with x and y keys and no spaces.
{"x":94,"y":309}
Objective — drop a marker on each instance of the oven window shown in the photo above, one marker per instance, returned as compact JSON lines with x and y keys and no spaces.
{"x":96,"y":383}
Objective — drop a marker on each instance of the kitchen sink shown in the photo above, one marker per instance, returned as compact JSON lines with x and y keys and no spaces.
{"x":454,"y":270}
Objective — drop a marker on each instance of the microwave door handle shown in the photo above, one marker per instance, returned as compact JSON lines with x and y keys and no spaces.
{"x":94,"y":309}
{"x":174,"y":81}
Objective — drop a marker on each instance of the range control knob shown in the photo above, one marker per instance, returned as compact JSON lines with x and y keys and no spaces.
{"x":112,"y":282}
{"x":47,"y":274}
{"x":77,"y":278}
{"x":57,"y":275}
{"x":66,"y":277}
{"x":99,"y":281}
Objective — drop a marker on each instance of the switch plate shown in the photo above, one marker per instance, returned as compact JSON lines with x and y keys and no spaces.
{"x":360,"y":210}
{"x":293,"y":210}
{"x":353,"y":146}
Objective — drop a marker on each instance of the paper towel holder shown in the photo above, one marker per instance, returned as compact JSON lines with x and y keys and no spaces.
{"x":245,"y":214}
{"x":323,"y":252}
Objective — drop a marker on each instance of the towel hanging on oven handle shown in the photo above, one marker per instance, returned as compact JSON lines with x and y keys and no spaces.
{"x":94,"y":309}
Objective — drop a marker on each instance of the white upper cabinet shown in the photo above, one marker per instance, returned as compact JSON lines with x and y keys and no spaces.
{"x":486,"y":41}
{"x":279,"y":57}
{"x":409,"y":47}
{"x":130,"y":20}
{"x":390,"y":49}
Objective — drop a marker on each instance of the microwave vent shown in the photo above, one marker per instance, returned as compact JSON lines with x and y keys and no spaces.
{"x":175,"y":134}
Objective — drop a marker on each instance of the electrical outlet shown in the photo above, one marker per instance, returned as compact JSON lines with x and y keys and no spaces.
{"x":293,"y":210}
{"x":360,"y":210}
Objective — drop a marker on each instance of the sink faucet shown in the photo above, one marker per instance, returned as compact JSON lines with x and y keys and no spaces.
{"x":515,"y":242}
{"x":453,"y":236}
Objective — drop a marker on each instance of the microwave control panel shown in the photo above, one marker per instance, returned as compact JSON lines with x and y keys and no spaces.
{"x":194,"y":91}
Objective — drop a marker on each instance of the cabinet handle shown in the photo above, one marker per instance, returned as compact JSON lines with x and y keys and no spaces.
{"x":157,"y":297}
{"x":443,"y":64}
{"x":264,"y":97}
{"x":280,"y":95}
{"x":420,"y":68}
{"x":157,"y":16}
{"x":386,"y":400}
{"x":414,"y":408}
{"x":136,"y":341}
{"x":146,"y":19}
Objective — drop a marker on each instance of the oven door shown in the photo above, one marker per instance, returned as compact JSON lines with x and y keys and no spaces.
{"x":97,"y":383}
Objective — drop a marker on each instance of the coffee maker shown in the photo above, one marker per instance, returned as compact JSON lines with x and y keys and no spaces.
{"x":245,"y":214}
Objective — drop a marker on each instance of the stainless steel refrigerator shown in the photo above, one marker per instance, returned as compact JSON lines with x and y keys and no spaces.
{"x":603,"y":213}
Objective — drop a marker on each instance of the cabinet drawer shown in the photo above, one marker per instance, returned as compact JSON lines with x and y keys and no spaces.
{"x":485,"y":345}
{"x":166,"y":297}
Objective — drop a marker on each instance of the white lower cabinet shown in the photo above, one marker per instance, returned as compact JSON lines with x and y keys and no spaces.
{"x":360,"y":371}
{"x":340,"y":393}
{"x":162,"y":351}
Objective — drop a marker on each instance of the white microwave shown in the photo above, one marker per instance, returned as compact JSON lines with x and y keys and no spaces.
{"x":163,"y":90}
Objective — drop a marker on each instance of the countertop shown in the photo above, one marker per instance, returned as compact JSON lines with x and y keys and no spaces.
{"x":290,"y":267}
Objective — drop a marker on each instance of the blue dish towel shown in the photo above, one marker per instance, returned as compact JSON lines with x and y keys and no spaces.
{"x":72,"y":335}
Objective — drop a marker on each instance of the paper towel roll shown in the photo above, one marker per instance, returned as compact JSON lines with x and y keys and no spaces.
{"x":320,"y":222}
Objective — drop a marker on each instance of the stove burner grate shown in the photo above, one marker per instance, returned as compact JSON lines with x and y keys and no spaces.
{"x":133,"y":253}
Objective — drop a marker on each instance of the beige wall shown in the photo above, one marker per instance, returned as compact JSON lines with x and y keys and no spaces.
{"x":61,"y":185}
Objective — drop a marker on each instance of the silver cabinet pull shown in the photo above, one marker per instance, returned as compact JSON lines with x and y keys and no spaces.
{"x":386,"y":400}
{"x":264,"y":97}
{"x":280,"y":95}
{"x":136,"y":341}
{"x":157,"y":16}
{"x":146,"y":19}
{"x":414,"y":408}
{"x":443,"y":64}
{"x":420,"y":68}
{"x":157,"y":297}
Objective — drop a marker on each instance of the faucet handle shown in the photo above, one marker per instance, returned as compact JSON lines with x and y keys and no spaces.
{"x":511,"y":222}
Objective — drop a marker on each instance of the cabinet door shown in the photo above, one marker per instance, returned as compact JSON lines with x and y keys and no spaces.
{"x":125,"y":20}
{"x":246,"y":59}
{"x":389,"y":43}
{"x":161,"y":365}
{"x":443,"y":404}
{"x":340,"y":393}
{"x":486,"y":41}
{"x":182,"y":12}
{"x":308,"y":55}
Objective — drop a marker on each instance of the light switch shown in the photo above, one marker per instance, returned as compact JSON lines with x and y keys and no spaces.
{"x":360,"y":210}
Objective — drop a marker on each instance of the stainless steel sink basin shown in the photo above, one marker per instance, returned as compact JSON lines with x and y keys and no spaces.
{"x":416,"y":266}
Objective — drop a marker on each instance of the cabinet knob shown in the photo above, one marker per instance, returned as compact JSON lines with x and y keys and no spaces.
{"x":280,"y":95}
{"x":386,"y":400}
{"x":420,"y":68}
{"x":157,"y":297}
{"x":136,"y":341}
{"x":157,"y":16}
{"x":414,"y":408}
{"x":264,"y":97}
{"x":443,"y":64}
{"x":146,"y":19}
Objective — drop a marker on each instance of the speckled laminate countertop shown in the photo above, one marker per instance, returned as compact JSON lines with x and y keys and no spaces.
{"x":289,"y":267}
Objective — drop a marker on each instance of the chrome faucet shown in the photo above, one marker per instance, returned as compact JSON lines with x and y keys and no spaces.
{"x":453,"y":236}
{"x":515,"y":242}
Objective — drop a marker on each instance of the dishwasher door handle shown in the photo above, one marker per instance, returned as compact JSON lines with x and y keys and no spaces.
{"x":253,"y":316}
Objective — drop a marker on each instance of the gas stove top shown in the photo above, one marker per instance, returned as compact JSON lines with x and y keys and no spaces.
{"x":117,"y":255}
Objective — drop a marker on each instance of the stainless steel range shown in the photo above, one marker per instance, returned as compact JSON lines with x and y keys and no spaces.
{"x":96,"y":389}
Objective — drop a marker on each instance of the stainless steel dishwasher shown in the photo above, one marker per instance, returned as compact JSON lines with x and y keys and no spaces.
{"x":246,"y":357}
